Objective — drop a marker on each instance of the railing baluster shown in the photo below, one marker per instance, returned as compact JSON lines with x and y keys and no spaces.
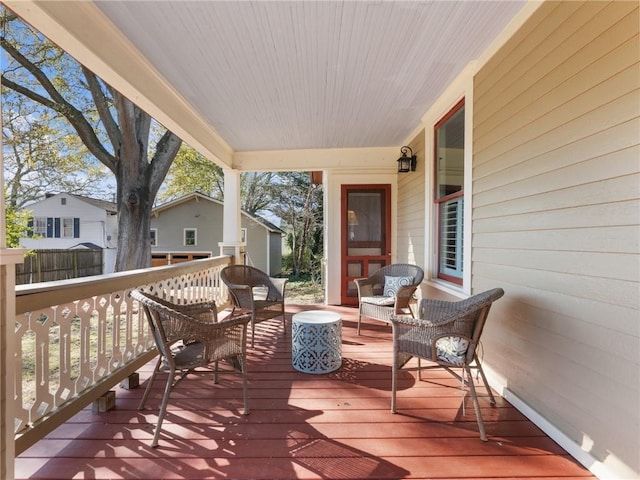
{"x":69,"y":352}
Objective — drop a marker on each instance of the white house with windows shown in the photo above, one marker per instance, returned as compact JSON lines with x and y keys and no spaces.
{"x":64,"y":220}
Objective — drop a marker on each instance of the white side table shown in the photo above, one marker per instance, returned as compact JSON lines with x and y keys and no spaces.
{"x":316,"y":341}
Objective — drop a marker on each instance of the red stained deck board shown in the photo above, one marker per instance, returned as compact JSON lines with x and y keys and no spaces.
{"x":303,"y":426}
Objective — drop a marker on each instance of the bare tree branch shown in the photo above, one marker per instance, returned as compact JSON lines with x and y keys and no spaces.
{"x":102,"y":105}
{"x":59,"y":104}
{"x":166,"y":150}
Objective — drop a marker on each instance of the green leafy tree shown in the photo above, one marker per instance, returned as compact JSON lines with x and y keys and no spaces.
{"x":42,"y":156}
{"x":192,"y":172}
{"x":16,"y":224}
{"x":257,"y":190}
{"x":299,"y":205}
{"x":290,"y":196}
{"x":113,"y":129}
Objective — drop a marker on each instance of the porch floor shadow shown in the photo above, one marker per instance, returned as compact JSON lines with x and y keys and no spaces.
{"x":302,"y":426}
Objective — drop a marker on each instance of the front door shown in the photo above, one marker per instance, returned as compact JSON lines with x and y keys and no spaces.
{"x":366,"y":234}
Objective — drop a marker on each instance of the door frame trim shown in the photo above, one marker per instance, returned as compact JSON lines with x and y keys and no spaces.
{"x":344,"y":228}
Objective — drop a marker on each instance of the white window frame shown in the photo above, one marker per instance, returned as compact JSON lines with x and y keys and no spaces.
{"x":153,"y":234}
{"x":65,"y":226}
{"x":460,"y":88}
{"x":195,"y":237}
{"x":449,"y":243}
{"x":40,"y":226}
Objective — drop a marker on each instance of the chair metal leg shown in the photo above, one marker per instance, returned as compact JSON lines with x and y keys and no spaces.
{"x":150,"y":383}
{"x":163,"y":407}
{"x":284,"y":322}
{"x":394,"y":374}
{"x":243,"y":368}
{"x":359,"y":319}
{"x":484,"y":380}
{"x":476,"y":405}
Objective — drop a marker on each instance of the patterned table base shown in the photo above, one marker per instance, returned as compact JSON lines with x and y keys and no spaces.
{"x":316,"y":347}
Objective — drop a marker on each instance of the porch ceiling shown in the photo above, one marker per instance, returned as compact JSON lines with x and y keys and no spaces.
{"x":282,"y":75}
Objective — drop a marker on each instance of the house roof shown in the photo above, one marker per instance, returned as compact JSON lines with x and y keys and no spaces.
{"x":239,"y":80}
{"x":197,"y":196}
{"x":87,"y":245}
{"x":109,"y":207}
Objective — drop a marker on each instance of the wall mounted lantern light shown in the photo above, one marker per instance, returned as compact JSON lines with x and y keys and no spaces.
{"x":405,"y":163}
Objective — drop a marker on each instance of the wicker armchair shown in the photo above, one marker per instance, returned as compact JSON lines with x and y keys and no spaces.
{"x":446,"y":333}
{"x":189,"y":336}
{"x":388,"y":292}
{"x":256,"y":291}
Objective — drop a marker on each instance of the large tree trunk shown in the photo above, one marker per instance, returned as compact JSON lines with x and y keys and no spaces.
{"x":138,"y":180}
{"x":134,"y":219}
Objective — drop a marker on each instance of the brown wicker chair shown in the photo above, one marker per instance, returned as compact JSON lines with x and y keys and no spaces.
{"x":446,"y":333}
{"x":188,"y":337}
{"x":254,"y":290}
{"x":388,"y":291}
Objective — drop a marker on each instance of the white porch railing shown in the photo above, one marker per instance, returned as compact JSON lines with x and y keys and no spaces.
{"x":76,"y":339}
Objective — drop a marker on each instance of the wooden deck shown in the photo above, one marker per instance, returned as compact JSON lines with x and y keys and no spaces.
{"x":333,"y":426}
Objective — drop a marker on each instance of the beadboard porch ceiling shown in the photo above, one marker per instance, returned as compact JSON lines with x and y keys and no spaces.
{"x":283,"y":75}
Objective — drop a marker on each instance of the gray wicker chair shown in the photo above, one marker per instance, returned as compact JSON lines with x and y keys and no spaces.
{"x":254,"y":290}
{"x":188,"y":337}
{"x":446,"y":333}
{"x":388,"y":292}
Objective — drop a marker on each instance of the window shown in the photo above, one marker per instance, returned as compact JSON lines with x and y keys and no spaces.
{"x":153,"y":234}
{"x":190,"y":236}
{"x":67,"y":227}
{"x":40,"y":226}
{"x":449,"y":194}
{"x":63,"y":201}
{"x":56,"y":227}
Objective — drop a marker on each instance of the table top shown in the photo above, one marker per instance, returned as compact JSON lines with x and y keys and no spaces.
{"x":316,"y":317}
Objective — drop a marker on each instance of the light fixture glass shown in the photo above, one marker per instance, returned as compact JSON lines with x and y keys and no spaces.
{"x":406,"y":163}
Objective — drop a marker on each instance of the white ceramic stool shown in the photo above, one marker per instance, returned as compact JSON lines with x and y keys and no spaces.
{"x":316,"y":341}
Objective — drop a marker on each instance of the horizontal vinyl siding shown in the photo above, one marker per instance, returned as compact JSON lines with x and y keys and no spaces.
{"x":411,"y":218}
{"x":556,"y":211}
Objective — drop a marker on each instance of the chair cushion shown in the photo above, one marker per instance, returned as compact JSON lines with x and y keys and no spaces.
{"x":452,"y":350}
{"x":379,"y":300}
{"x":393,"y":284}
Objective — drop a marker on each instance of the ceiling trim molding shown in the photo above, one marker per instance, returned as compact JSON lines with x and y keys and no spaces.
{"x":383,"y":158}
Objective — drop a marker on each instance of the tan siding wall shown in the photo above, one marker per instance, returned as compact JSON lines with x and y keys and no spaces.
{"x":411,"y":218}
{"x":555,"y":220}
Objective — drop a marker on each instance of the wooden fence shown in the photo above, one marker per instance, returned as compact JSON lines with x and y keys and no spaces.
{"x":56,"y":264}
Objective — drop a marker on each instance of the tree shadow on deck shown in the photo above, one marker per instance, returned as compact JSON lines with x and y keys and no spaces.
{"x":206,"y":436}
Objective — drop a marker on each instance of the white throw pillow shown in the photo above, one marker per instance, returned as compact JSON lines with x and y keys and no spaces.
{"x":393,"y":284}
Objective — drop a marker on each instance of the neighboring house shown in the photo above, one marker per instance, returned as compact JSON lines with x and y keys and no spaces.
{"x":190,"y":227}
{"x":65,"y":221}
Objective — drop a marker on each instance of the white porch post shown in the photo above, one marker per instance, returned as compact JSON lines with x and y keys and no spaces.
{"x":231,"y":244}
{"x":8,"y":260}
